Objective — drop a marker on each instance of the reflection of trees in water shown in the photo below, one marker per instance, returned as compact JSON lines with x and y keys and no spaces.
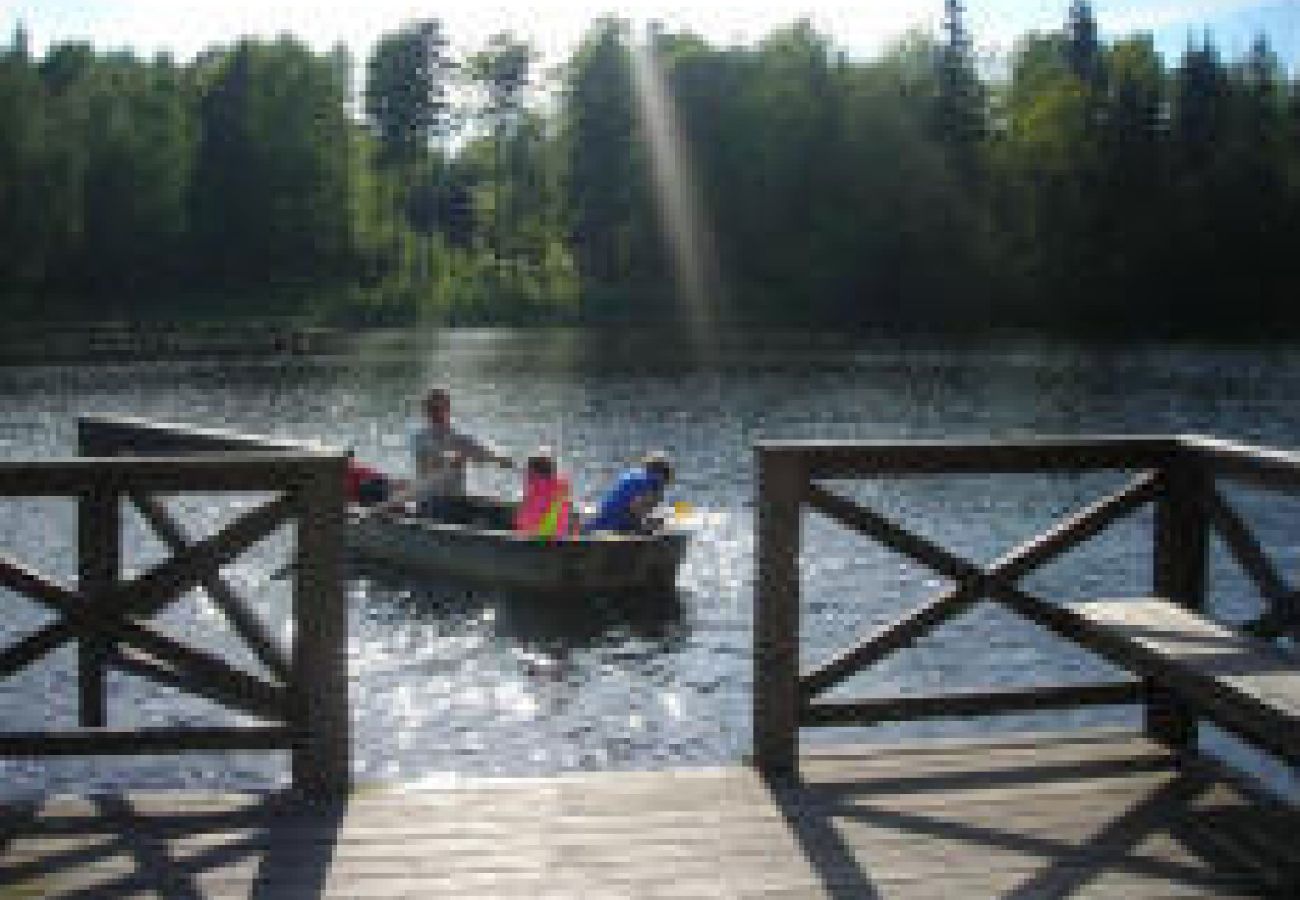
{"x":548,"y":626}
{"x":644,"y":350}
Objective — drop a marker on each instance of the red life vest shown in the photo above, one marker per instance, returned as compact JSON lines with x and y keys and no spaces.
{"x":355,"y":476}
{"x":546,"y":509}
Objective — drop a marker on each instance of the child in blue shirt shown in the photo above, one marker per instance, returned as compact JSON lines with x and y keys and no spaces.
{"x":627,"y":505}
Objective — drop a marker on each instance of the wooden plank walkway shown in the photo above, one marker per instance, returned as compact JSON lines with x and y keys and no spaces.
{"x":1091,"y":814}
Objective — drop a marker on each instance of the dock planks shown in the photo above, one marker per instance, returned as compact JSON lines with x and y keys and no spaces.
{"x":1098,"y":814}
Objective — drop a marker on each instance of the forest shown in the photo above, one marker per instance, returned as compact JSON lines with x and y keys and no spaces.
{"x":1081,"y":186}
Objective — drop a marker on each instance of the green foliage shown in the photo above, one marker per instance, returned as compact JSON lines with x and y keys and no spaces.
{"x":503,"y":70}
{"x":1083,"y":50}
{"x":1096,"y":188}
{"x":407,"y":78}
{"x":139,"y":144}
{"x":959,"y":117}
{"x":272,"y":184}
{"x":607,"y":178}
{"x":40,"y":179}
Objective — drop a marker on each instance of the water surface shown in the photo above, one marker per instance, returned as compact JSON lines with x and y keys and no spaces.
{"x":449,"y":682}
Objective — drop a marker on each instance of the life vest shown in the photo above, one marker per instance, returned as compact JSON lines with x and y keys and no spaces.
{"x":546,"y":509}
{"x":356,"y":477}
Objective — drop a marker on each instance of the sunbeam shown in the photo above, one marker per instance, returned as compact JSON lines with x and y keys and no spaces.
{"x":677,"y":197}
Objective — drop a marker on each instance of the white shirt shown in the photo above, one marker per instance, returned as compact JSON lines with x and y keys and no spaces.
{"x":441,"y":455}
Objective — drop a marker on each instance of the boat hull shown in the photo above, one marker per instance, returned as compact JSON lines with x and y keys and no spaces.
{"x":508,"y":560}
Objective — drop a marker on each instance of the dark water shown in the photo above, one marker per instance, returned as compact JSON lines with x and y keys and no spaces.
{"x":449,"y":682}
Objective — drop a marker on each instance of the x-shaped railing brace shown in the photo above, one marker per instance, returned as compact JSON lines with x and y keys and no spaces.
{"x":146,"y":650}
{"x":1282,"y":603}
{"x":973,"y":582}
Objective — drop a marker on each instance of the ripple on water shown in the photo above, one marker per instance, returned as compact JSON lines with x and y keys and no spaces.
{"x":454,"y":682}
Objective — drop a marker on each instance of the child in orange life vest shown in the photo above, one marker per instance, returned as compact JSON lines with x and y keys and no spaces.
{"x":547,"y":507}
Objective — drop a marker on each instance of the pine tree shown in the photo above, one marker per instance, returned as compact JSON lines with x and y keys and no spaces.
{"x":406,"y":99}
{"x":605,"y":167}
{"x":1200,"y":101}
{"x":504,"y":71}
{"x":1292,"y":127}
{"x":1261,"y":80}
{"x":961,"y":117}
{"x":20,"y":48}
{"x":1083,"y":53}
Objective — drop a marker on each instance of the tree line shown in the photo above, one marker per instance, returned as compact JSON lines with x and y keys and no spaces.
{"x":1089,"y":186}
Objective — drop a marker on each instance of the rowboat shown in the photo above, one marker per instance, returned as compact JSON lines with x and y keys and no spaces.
{"x":487,"y":553}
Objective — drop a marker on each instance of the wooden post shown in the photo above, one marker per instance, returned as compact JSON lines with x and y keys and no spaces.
{"x":781,"y":482}
{"x":321,"y":755}
{"x":98,"y":549}
{"x":1180,"y":565}
{"x":98,"y":564}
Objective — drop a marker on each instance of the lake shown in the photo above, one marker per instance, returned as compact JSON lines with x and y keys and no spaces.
{"x":449,"y":683}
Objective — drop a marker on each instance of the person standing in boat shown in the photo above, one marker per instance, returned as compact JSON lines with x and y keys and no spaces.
{"x":441,"y":454}
{"x":628,"y":506}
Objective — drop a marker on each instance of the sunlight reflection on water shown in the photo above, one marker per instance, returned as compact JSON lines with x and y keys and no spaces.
{"x":451,"y":683}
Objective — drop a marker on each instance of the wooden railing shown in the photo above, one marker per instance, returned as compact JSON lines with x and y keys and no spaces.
{"x":303,"y":704}
{"x":1177,"y":474}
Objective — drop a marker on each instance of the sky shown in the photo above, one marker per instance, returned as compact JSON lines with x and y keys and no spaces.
{"x":862,"y":27}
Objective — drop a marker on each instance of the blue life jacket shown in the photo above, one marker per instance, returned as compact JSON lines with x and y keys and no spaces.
{"x":615,"y":513}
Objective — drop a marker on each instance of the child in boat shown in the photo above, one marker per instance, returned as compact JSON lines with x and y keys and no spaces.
{"x":366,"y":486}
{"x":547,"y":507}
{"x":628,"y":506}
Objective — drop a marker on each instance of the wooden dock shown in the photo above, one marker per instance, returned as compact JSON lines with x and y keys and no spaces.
{"x":1093,"y":814}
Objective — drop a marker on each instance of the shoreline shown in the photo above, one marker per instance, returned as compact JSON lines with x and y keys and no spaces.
{"x":240,"y":339}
